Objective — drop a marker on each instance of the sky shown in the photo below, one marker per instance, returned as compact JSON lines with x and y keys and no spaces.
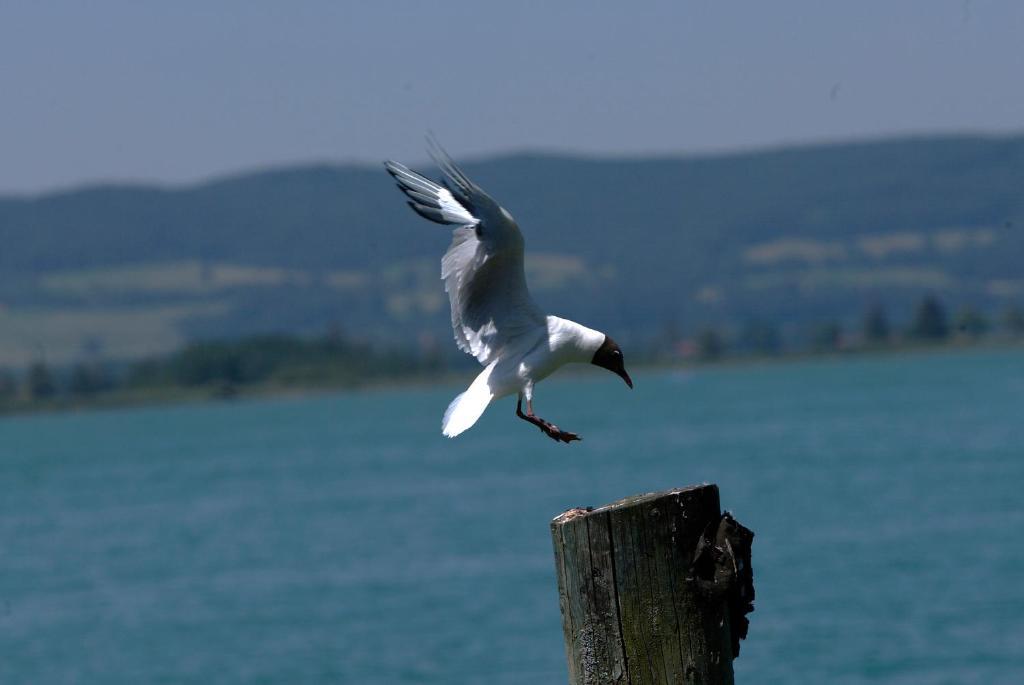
{"x":184,"y":91}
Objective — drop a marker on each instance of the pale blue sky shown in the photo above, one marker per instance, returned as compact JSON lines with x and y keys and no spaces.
{"x":180,"y":91}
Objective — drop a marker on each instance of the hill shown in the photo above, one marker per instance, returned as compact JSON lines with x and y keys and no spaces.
{"x":634,"y":246}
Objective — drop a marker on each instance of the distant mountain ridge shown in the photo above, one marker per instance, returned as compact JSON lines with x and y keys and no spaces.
{"x":792,"y":235}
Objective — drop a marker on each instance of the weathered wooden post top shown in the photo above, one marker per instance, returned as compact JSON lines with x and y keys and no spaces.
{"x":653,"y":589}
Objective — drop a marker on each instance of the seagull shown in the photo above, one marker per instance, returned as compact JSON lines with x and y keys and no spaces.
{"x":493,"y":315}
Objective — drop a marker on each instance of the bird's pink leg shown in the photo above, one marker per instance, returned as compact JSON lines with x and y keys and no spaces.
{"x":548,"y":428}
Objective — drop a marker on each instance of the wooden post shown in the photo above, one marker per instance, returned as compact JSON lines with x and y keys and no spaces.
{"x":653,"y":589}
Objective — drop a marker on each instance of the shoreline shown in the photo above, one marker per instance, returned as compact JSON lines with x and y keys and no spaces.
{"x":183,"y":396}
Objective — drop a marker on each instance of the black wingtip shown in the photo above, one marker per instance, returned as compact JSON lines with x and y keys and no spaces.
{"x":454,"y":179}
{"x":427,"y":212}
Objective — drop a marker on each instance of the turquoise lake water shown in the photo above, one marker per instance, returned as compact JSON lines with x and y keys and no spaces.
{"x":341,"y":539}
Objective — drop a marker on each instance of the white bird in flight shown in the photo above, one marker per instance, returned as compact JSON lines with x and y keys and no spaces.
{"x":494,"y":317}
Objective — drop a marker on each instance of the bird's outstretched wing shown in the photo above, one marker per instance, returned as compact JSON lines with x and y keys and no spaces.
{"x":483,"y":268}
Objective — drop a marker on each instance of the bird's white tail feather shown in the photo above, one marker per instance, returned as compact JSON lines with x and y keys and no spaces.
{"x":465,"y":409}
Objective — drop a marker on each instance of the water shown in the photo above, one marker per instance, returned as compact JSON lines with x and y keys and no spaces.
{"x":340,"y":539}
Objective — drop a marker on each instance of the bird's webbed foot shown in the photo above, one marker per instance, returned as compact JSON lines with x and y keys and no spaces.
{"x":553,"y":432}
{"x":549,"y":429}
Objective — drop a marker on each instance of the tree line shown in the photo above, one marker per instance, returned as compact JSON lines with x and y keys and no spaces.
{"x":223,"y":368}
{"x":930,"y":324}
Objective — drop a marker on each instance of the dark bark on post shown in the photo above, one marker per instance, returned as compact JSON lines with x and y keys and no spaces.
{"x":653,"y":589}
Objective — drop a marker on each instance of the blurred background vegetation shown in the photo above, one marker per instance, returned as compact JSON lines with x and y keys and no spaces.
{"x":318,"y":276}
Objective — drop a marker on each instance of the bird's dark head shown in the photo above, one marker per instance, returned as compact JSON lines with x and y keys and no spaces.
{"x":609,"y":356}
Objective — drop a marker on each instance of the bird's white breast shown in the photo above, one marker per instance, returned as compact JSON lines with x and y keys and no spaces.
{"x":563,"y":342}
{"x":567,"y":342}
